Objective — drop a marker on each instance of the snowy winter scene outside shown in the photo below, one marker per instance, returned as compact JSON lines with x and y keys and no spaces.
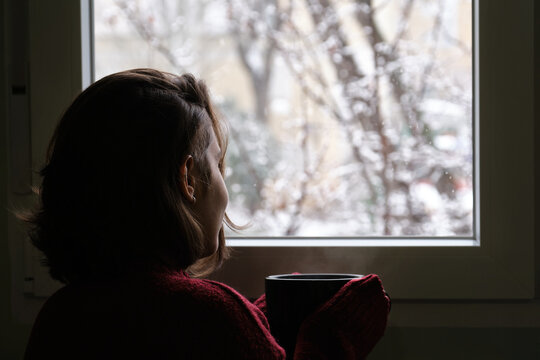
{"x":347,"y":118}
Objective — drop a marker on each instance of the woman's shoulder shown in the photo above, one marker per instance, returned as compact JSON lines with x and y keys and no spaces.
{"x":166,"y":287}
{"x":238,"y":326}
{"x":182,"y":314}
{"x":180,"y":294}
{"x":229,"y":316}
{"x":213,"y":297}
{"x":206,"y":292}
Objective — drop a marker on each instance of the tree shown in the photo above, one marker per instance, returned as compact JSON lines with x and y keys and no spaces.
{"x":397,"y":172}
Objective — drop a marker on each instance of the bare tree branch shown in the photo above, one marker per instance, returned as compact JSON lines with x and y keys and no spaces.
{"x":335,"y":113}
{"x":247,"y":38}
{"x":147,"y":34}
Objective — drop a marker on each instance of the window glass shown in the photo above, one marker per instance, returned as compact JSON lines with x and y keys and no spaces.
{"x":347,"y":118}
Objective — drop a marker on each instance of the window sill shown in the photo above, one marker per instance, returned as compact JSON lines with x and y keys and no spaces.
{"x":239,"y":242}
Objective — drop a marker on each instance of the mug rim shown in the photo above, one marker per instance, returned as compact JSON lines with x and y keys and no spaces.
{"x":314,"y":277}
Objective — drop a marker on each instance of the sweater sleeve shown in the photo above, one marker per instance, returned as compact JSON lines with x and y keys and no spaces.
{"x":349,"y":325}
{"x":240,"y":329}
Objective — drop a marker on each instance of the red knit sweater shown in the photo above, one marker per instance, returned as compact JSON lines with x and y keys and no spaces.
{"x":168,"y":315}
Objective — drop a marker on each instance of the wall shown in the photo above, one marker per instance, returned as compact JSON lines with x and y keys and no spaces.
{"x":13,"y":334}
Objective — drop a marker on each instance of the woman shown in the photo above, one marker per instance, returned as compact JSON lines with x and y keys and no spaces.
{"x":132,"y":206}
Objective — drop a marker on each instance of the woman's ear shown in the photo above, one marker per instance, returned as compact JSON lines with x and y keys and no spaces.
{"x":187,"y":179}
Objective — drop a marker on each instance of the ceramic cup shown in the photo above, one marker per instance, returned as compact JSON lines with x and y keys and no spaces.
{"x":290,"y":298}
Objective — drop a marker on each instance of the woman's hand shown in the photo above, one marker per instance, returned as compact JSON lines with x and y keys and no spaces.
{"x":347,"y":326}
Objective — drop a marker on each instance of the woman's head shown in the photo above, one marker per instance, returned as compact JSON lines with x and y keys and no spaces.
{"x":133,"y":178}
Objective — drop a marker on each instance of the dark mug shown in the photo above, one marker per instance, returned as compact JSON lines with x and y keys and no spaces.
{"x":290,"y":298}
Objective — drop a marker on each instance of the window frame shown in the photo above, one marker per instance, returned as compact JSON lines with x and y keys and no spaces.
{"x":485,"y":267}
{"x":490,"y":267}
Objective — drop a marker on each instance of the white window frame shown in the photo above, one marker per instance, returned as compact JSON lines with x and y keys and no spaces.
{"x":499,"y":265}
{"x":498,"y":262}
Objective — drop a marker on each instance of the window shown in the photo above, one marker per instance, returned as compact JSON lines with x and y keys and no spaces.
{"x":357,"y":115}
{"x":497,"y":265}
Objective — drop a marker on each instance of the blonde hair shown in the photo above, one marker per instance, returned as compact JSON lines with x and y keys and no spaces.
{"x":109,"y":199}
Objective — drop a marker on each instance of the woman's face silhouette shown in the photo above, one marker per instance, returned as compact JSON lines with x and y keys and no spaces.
{"x":210,"y":199}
